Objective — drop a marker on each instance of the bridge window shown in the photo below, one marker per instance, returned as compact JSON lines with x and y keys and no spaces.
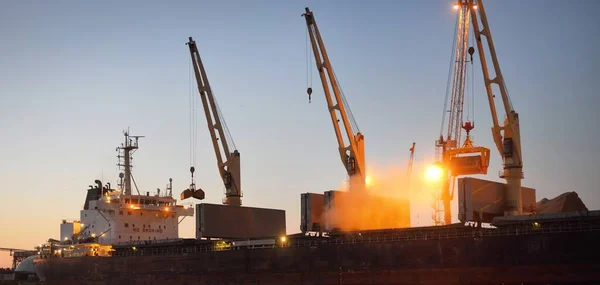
{"x":126,"y":225}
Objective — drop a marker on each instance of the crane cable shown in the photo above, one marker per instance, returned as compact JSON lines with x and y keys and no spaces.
{"x":228,"y":137}
{"x":308,"y":69}
{"x":469,"y":79}
{"x":472,"y":82}
{"x":193,"y":117}
{"x":353,"y":125}
{"x":448,"y":82}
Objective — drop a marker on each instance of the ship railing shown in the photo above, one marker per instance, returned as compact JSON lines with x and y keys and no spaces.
{"x":440,"y":235}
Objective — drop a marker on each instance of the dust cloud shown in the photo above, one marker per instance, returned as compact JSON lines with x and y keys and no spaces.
{"x":392,"y":200}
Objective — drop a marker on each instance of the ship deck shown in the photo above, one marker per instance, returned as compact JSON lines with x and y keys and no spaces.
{"x":540,"y":252}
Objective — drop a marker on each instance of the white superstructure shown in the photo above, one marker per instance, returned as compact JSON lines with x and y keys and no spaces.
{"x":117,"y":218}
{"x":114,"y":216}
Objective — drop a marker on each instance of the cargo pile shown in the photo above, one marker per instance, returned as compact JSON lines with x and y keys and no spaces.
{"x":563,"y":203}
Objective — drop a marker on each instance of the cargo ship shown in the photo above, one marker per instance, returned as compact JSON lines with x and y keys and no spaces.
{"x":133,"y":239}
{"x":554,"y":249}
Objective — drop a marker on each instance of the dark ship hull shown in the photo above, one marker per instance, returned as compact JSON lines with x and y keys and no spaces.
{"x":558,"y":253}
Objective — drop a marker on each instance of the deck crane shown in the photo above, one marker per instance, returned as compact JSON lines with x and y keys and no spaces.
{"x":228,"y":162}
{"x":457,"y":157}
{"x":507,"y":136}
{"x":352,"y":154}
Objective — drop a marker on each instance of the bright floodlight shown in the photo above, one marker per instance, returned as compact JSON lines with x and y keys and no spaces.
{"x":368,"y":180}
{"x":434,"y":173}
{"x":455,"y":6}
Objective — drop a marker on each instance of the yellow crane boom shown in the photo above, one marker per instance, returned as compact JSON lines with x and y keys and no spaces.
{"x":507,"y":136}
{"x":228,"y":161}
{"x":352,"y":153}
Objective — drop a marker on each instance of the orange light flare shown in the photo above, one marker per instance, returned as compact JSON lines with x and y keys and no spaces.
{"x":434,"y":173}
{"x":456,"y":6}
{"x":392,"y":200}
{"x":368,"y":181}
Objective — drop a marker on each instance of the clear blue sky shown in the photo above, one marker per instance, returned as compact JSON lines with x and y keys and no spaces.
{"x":73,"y":74}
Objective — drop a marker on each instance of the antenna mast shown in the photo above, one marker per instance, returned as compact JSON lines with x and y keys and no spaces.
{"x":125,"y":152}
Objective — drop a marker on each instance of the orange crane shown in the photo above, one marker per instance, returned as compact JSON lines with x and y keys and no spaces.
{"x":457,"y":157}
{"x":352,"y":153}
{"x":506,"y":136}
{"x":228,"y":161}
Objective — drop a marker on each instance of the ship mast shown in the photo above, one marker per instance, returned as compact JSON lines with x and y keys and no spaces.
{"x":125,"y":152}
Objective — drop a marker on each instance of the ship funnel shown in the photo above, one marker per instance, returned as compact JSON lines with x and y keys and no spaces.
{"x":99,"y":183}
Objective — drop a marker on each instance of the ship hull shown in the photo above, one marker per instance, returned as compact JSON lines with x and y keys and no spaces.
{"x":533,"y":258}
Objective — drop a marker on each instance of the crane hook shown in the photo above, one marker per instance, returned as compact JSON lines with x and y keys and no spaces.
{"x":309,"y":91}
{"x":471,"y":52}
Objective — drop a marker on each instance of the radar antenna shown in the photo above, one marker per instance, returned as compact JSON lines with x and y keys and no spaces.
{"x":124,"y":154}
